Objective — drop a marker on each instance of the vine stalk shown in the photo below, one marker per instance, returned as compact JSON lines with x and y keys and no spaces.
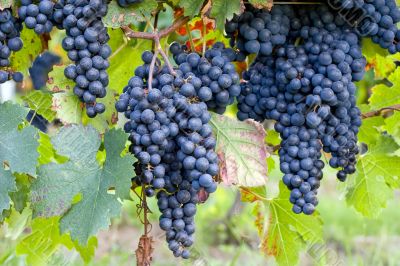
{"x":378,"y":112}
{"x":155,"y":35}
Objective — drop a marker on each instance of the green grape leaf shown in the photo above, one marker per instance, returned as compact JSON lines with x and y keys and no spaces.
{"x":253,"y":194}
{"x":115,"y":167}
{"x":241,"y":149}
{"x":118,"y":16}
{"x":392,"y":126}
{"x":45,"y":149}
{"x":260,"y":4}
{"x":7,"y":185}
{"x":371,"y":49}
{"x":45,"y":239}
{"x":65,"y":103}
{"x":57,"y":81}
{"x":58,"y":185}
{"x":22,"y":60}
{"x":384,"y":96}
{"x":379,"y":59}
{"x":42,"y":242}
{"x":222,"y":10}
{"x":272,"y":137}
{"x":47,"y":154}
{"x":17,"y":223}
{"x":17,"y":147}
{"x":87,"y":252}
{"x":5,"y":214}
{"x":377,"y":174}
{"x":20,"y":197}
{"x":383,"y":66}
{"x":369,"y":130}
{"x":191,"y":8}
{"x":68,"y":107}
{"x":5,"y":4}
{"x":42,"y":103}
{"x":124,"y":59}
{"x":283,"y":234}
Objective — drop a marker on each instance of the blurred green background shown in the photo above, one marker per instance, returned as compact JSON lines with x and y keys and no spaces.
{"x":226,"y":235}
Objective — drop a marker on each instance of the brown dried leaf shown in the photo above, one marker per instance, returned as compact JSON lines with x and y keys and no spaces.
{"x":260,"y":4}
{"x":144,"y":251}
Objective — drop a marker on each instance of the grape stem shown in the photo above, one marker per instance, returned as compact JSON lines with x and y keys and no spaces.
{"x":165,"y":57}
{"x":155,"y":26}
{"x":378,"y":112}
{"x":154,"y":35}
{"x":145,"y":209}
{"x":366,"y":115}
{"x":151,"y":70}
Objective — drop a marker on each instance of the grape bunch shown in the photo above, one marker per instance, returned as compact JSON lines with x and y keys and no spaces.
{"x":170,"y":135}
{"x":86,"y":44}
{"x":126,"y":3}
{"x":258,"y":31}
{"x":376,"y":19}
{"x":38,"y":17}
{"x":214,"y":79}
{"x":10,"y":41}
{"x":41,"y":67}
{"x":308,"y":90}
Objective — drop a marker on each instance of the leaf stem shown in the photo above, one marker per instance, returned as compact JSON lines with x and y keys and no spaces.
{"x":151,"y":70}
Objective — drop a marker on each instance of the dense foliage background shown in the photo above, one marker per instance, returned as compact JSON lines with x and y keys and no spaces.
{"x":247,"y":221}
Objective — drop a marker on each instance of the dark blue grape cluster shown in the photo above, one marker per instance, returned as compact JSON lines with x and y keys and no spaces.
{"x":214,"y":79}
{"x":86,"y":44}
{"x":38,"y":17}
{"x":308,"y":90}
{"x":10,"y":41}
{"x":374,"y":18}
{"x":259,"y":31}
{"x":41,"y":67}
{"x":171,"y":137}
{"x":126,"y":3}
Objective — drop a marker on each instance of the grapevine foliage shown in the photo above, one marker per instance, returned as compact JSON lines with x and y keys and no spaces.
{"x":111,"y":110}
